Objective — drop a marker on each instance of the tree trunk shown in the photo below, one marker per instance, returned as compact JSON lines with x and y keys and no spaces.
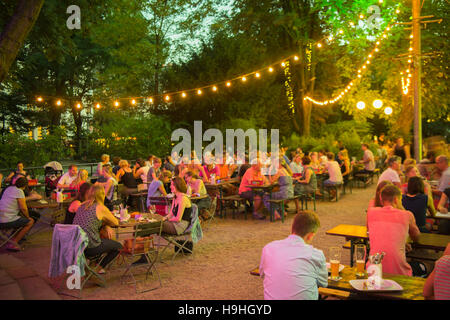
{"x":405,"y":118}
{"x":15,"y":32}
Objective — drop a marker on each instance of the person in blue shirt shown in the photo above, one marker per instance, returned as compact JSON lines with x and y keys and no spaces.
{"x":292,"y":269}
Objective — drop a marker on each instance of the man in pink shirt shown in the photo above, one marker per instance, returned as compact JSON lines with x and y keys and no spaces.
{"x":389,"y":227}
{"x":253,"y":174}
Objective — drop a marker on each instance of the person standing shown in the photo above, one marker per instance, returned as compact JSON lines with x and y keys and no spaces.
{"x":368,"y":159}
{"x":401,"y":150}
{"x":292,"y":269}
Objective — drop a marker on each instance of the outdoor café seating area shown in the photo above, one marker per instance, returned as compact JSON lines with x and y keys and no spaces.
{"x":243,"y":200}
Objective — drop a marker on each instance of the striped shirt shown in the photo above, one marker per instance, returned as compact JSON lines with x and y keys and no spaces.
{"x":442,"y":279}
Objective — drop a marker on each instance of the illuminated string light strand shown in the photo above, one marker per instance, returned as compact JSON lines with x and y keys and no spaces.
{"x":360,"y":73}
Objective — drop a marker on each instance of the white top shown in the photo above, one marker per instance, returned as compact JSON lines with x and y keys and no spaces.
{"x":9,"y":208}
{"x":334,"y":171}
{"x":444,"y":181}
{"x":296,"y":168}
{"x":66,"y":179}
{"x":368,"y":155}
{"x":323,"y":160}
{"x":390,"y":175}
{"x":144,"y":172}
{"x":292,"y":270}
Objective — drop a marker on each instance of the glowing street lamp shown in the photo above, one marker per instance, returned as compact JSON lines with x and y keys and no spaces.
{"x":377,"y":104}
{"x":388,"y":110}
{"x":360,"y":105}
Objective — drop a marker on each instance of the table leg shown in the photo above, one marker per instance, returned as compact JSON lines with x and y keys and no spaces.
{"x":352,"y":250}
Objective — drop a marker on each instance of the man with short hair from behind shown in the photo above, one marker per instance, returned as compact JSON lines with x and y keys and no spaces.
{"x":389,"y":227}
{"x":292,"y":269}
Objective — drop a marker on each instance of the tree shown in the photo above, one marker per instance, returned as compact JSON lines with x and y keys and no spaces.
{"x":16,"y":31}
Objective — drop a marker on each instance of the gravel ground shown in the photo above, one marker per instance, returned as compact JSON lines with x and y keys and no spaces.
{"x":219,"y":268}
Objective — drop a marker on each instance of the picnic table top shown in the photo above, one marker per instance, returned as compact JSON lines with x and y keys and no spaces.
{"x":412,"y":286}
{"x":426,"y":240}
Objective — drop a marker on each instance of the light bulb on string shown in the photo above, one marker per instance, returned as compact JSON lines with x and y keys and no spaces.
{"x":58,"y":103}
{"x":133,"y":102}
{"x":270,"y":69}
{"x":214,"y":88}
{"x":296,"y":58}
{"x":257,"y":75}
{"x":245,"y":79}
{"x":183,"y":94}
{"x":377,"y":104}
{"x":78,"y":106}
{"x":167,"y":98}
{"x":319,"y":45}
{"x":388,"y":110}
{"x":150,"y":100}
{"x":361,"y":105}
{"x":228,"y":84}
{"x":39,"y":99}
{"x":199,"y":92}
{"x":98,"y":106}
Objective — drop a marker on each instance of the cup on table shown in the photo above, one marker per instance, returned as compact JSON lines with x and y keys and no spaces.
{"x":335,"y":259}
{"x":360,"y":257}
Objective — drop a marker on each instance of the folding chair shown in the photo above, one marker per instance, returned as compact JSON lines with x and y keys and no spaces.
{"x":143,"y":247}
{"x":5,"y":238}
{"x":60,"y":260}
{"x":180,"y":241}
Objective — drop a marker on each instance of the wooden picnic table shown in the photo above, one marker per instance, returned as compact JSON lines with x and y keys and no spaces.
{"x":126,"y":229}
{"x":354,"y":233}
{"x":412,"y":286}
{"x":265,"y":188}
{"x":42,"y":204}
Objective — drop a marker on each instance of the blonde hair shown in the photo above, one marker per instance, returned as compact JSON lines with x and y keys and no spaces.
{"x":123,"y":163}
{"x":96,"y":194}
{"x":104,"y":157}
{"x":83,"y":173}
{"x":409,"y":162}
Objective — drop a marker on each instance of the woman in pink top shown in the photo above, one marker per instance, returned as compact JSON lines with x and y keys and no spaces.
{"x":389,"y":227}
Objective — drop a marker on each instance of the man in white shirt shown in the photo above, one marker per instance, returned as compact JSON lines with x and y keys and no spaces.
{"x":292,"y":269}
{"x":391,"y":174}
{"x":67,"y":178}
{"x":444,"y":181}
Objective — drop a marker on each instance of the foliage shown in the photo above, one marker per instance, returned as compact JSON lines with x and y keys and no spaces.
{"x":16,"y":147}
{"x":130,"y":136}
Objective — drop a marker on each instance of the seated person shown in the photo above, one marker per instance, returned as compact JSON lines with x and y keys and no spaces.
{"x":438,"y":282}
{"x":391,"y":173}
{"x":13,"y":176}
{"x":417,"y":202}
{"x":345,"y":164}
{"x":296,"y":164}
{"x":292,"y":269}
{"x":389,"y":227}
{"x":444,"y":225}
{"x":315,"y":162}
{"x":116,"y":166}
{"x":444,"y":180}
{"x":12,"y":203}
{"x":104,"y":160}
{"x":307,"y":183}
{"x":334,"y":172}
{"x":179,"y":217}
{"x":286,"y":190}
{"x":66,"y":179}
{"x":75,"y":204}
{"x":197,"y":187}
{"x":412,"y":171}
{"x":154,"y":172}
{"x":110,"y":185}
{"x":253,"y":174}
{"x":156,"y":188}
{"x":82,"y":177}
{"x":376,"y":201}
{"x":92,"y":216}
{"x":140,"y":171}
{"x":125,"y":175}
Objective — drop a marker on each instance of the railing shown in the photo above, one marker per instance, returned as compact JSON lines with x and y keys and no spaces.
{"x":38,"y":172}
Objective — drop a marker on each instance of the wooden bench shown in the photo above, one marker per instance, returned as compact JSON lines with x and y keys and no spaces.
{"x":282,"y":202}
{"x":327,"y":292}
{"x":233,"y":198}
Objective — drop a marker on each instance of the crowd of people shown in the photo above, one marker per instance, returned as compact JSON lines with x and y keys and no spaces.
{"x":404,"y":204}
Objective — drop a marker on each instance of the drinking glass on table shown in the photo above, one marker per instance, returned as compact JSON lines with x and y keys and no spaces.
{"x":335,"y":259}
{"x":360,"y":257}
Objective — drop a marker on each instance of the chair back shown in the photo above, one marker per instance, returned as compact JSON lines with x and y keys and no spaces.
{"x":68,"y":244}
{"x":143,"y":236}
{"x":194,"y":218}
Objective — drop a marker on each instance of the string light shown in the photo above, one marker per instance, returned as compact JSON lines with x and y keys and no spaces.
{"x":319,"y":45}
{"x":167,"y":98}
{"x":377,"y":104}
{"x":58,"y":103}
{"x":98,"y":106}
{"x":388,"y":110}
{"x":245,"y":79}
{"x":257,"y":75}
{"x":39,"y":99}
{"x":183,"y":94}
{"x":116,"y":103}
{"x":199,"y":92}
{"x":78,"y":106}
{"x":228,"y":84}
{"x":270,"y":69}
{"x":214,"y":88}
{"x":133,"y":102}
{"x":150,"y":100}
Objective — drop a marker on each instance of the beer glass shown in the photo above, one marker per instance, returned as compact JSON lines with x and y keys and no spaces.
{"x":335,"y":259}
{"x":360,"y":257}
